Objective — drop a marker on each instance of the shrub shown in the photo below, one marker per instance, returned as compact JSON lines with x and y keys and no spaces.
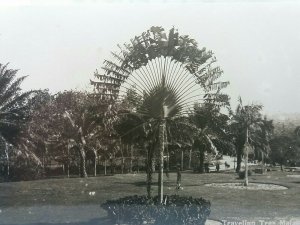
{"x":242,"y":174}
{"x":24,"y":172}
{"x":177,"y":210}
{"x":260,"y":170}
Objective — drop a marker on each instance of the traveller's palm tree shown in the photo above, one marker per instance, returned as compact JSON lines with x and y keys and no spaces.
{"x":169,"y":72}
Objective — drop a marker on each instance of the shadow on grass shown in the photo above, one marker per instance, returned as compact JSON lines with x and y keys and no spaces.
{"x":296,"y":182}
{"x":166,"y":184}
{"x":138,"y":184}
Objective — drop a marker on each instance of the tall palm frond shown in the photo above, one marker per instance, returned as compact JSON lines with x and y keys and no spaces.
{"x":14,"y":107}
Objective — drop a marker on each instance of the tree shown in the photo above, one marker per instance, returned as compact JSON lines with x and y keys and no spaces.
{"x":170,"y":73}
{"x":211,"y":127}
{"x":14,"y":109}
{"x":261,"y":139}
{"x":65,"y":127}
{"x":285,"y":148}
{"x":135,"y":127}
{"x":83,"y":124}
{"x":280,"y":145}
{"x":245,"y":122}
{"x":34,"y":136}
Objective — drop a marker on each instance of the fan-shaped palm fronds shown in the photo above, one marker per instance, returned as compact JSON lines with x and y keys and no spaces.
{"x":169,"y":73}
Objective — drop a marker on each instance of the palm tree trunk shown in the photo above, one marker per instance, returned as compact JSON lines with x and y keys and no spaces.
{"x":168,"y":164}
{"x":7,"y":158}
{"x":131,"y":157}
{"x":82,"y":154}
{"x":63,"y":169}
{"x":246,"y":168}
{"x":201,"y":164}
{"x":153,"y":164}
{"x":238,"y":160}
{"x":182,"y":156}
{"x":149,"y":182}
{"x":190,"y":159}
{"x":83,"y":172}
{"x":122,"y":161}
{"x":95,"y":162}
{"x":111,"y":165}
{"x":161,"y":159}
{"x":246,"y":158}
{"x":262,"y":162}
{"x":149,"y":171}
{"x":79,"y":169}
{"x":68,"y":159}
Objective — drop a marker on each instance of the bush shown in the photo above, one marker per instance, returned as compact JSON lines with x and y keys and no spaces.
{"x":242,"y":174}
{"x":23,"y":172}
{"x":177,"y":210}
{"x":260,"y":170}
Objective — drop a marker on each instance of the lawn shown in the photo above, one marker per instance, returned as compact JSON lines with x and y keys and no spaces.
{"x":62,"y":201}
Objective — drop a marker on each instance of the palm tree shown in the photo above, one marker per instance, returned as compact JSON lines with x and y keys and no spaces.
{"x":261,"y":139}
{"x":34,"y":136}
{"x":14,"y":108}
{"x":210,"y":125}
{"x":83,"y":125}
{"x":245,"y":122}
{"x":169,"y":72}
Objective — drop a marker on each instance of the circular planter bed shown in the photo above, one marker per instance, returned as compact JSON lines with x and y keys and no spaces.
{"x":140,"y":210}
{"x":251,"y":186}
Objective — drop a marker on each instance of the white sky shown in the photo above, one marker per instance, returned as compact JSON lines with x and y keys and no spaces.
{"x":59,"y":44}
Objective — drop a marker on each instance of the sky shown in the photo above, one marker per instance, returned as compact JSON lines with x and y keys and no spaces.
{"x":59,"y":44}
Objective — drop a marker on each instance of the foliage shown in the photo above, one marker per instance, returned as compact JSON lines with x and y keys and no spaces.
{"x":25,"y":171}
{"x":285,"y":146}
{"x":246,"y":117}
{"x":34,"y":136}
{"x":262,"y":137}
{"x":211,"y":130}
{"x":65,"y":127}
{"x":150,"y":45}
{"x":284,"y":150}
{"x":246,"y":122}
{"x":14,"y":113}
{"x":176,"y":210}
{"x":81,"y":124}
{"x":14,"y":107}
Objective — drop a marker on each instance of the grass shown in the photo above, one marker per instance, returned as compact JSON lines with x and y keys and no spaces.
{"x":59,"y":201}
